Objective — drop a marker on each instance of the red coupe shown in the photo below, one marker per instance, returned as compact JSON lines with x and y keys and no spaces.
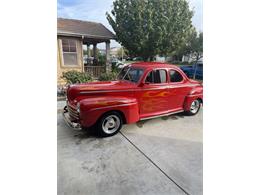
{"x":143,"y":90}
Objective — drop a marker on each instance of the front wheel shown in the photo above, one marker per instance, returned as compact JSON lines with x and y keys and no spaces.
{"x":109,"y":124}
{"x":194,"y":107}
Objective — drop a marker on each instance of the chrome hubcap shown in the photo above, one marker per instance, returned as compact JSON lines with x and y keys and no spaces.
{"x":111,"y":124}
{"x":195,"y":106}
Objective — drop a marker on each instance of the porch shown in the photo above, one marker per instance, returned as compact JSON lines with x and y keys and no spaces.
{"x":72,"y":36}
{"x":92,"y":64}
{"x":95,"y":71}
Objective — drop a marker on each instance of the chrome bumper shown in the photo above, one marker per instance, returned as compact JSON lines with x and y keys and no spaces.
{"x":66,"y":117}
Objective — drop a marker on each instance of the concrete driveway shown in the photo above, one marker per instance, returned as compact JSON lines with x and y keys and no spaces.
{"x":158,"y":156}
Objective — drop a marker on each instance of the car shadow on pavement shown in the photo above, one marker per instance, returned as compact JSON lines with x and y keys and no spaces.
{"x":74,"y":135}
{"x":140,"y":124}
{"x":86,"y":133}
{"x":174,"y":116}
{"x":91,"y":133}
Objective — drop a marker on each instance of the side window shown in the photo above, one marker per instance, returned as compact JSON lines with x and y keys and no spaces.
{"x":163,"y":76}
{"x":175,"y":76}
{"x":156,"y":76}
{"x":149,"y":78}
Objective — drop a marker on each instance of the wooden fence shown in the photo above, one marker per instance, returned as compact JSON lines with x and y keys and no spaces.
{"x":95,"y":71}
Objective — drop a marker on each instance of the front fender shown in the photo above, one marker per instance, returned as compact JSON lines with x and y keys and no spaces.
{"x":91,"y":109}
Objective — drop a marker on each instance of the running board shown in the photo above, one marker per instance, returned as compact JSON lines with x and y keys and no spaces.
{"x":167,"y":114}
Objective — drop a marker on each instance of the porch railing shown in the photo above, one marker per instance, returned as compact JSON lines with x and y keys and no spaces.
{"x":95,"y":71}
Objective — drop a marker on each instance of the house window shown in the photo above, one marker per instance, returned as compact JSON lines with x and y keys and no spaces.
{"x":156,"y":76}
{"x":69,"y":49}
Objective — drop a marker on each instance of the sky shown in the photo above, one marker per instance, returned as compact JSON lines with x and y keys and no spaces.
{"x":94,"y":10}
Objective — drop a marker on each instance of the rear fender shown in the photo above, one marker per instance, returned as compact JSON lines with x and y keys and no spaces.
{"x":196,"y":93}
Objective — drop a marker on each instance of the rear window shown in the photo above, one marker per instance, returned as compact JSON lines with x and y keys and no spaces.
{"x":175,"y":76}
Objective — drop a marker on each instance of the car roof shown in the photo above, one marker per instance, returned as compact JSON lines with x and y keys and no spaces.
{"x":152,"y":65}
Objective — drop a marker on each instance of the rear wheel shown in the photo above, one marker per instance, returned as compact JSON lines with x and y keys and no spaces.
{"x":194,"y":107}
{"x":109,"y":124}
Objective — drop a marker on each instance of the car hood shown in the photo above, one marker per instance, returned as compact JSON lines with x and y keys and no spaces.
{"x":91,"y":88}
{"x":104,"y":85}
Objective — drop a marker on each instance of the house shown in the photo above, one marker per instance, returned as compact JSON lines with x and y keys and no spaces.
{"x":159,"y":58}
{"x":114,"y":51}
{"x":190,"y":57}
{"x":71,"y":36}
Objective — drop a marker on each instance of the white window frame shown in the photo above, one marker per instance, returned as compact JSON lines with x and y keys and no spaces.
{"x":65,"y":52}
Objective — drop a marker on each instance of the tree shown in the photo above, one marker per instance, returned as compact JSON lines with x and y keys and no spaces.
{"x":122,"y":52}
{"x":197,"y":46}
{"x":149,"y":27}
{"x":101,"y":59}
{"x":192,"y":45}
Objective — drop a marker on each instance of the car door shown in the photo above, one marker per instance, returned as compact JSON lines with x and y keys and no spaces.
{"x":178,"y":89}
{"x":153,"y":96}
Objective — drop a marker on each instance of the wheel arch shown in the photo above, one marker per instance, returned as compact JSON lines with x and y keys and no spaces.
{"x":190,"y":99}
{"x":115,"y":110}
{"x":200,"y":99}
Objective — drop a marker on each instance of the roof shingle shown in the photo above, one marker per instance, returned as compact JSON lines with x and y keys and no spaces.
{"x":85,"y":28}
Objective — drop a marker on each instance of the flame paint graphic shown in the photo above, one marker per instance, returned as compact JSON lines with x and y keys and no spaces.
{"x":154,"y":101}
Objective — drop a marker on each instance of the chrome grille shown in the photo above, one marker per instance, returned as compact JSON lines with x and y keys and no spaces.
{"x":73,"y":113}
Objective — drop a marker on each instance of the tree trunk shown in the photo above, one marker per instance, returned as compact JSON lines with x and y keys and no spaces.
{"x":197,"y":56}
{"x":148,"y":58}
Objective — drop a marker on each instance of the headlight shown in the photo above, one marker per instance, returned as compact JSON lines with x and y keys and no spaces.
{"x":78,"y":107}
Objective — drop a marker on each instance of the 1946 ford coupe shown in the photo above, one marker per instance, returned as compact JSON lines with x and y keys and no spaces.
{"x":143,"y":90}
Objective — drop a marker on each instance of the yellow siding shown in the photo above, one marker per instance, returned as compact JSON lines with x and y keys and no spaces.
{"x":60,"y":65}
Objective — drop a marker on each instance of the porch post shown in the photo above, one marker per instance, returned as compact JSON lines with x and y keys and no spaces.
{"x":108,"y":65}
{"x":95,"y":51}
{"x":89,"y":55}
{"x":88,"y":50}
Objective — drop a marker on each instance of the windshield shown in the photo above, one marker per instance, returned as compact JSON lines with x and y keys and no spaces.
{"x":131,"y":74}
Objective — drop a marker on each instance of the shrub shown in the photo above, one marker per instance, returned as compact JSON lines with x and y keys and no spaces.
{"x":76,"y":77}
{"x":110,"y":76}
{"x":101,"y":59}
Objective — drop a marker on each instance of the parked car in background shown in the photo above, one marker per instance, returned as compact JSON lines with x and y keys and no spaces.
{"x":137,"y":59}
{"x":143,"y":90}
{"x":117,"y":63}
{"x":194,"y":71}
